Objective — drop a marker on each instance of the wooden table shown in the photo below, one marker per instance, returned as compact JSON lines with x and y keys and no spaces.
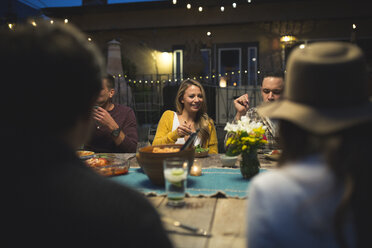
{"x":224,"y":218}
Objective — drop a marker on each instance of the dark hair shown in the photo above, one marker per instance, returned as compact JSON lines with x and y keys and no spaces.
{"x":110,"y":81}
{"x":347,"y":155}
{"x":52,"y":75}
{"x":279,"y":74}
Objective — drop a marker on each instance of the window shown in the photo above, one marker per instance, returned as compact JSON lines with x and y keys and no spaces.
{"x":178,"y":64}
{"x":252,"y":66}
{"x":229,"y":65}
{"x":206,"y":54}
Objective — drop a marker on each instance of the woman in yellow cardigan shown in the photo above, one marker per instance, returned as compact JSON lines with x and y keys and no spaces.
{"x":176,"y":127}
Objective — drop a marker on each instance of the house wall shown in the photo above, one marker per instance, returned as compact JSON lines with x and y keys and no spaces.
{"x":157,"y":27}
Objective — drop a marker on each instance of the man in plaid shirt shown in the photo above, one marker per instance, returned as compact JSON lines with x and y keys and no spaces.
{"x":271,"y":90}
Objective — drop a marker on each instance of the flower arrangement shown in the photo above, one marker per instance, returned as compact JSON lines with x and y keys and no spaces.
{"x":244,"y":136}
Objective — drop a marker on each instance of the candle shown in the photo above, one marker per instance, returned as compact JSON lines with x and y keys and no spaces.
{"x":196,"y":169}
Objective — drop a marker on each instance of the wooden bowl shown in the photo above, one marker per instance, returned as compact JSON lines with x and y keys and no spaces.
{"x":201,"y":154}
{"x":152,"y":163}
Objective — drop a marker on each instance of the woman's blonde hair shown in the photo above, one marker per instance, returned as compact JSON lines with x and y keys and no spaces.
{"x":202,"y":120}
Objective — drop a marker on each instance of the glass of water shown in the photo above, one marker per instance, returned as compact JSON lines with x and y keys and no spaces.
{"x":175,"y":175}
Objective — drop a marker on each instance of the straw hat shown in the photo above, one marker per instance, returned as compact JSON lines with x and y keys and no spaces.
{"x":325,"y":88}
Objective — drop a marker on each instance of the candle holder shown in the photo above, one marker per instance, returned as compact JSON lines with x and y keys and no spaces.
{"x":196,"y":168}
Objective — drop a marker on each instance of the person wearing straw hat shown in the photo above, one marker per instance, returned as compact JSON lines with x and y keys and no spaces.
{"x":319,"y":195}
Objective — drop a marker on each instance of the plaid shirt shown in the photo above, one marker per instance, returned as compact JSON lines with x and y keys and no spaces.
{"x":271,"y":128}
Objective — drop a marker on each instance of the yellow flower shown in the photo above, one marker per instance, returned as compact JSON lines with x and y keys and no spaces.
{"x":228,"y":141}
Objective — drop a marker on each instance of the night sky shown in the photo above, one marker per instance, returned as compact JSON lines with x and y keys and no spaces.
{"x":67,"y":3}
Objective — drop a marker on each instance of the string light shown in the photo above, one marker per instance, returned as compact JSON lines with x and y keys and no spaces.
{"x":209,"y":33}
{"x":188,"y":6}
{"x":222,"y":9}
{"x":234,"y":5}
{"x":249,"y":1}
{"x":11,"y":26}
{"x":89,"y":39}
{"x":66,"y":20}
{"x":302,"y":46}
{"x":174,"y":1}
{"x":51,"y":21}
{"x":34,"y":23}
{"x":354,"y":26}
{"x":200,"y":9}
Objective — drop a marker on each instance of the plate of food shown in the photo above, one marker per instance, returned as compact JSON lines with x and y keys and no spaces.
{"x":85,"y":154}
{"x":107,"y":165}
{"x":273,"y":155}
{"x":201,"y":152}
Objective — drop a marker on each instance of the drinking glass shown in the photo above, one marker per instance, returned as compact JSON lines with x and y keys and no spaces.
{"x":175,"y":175}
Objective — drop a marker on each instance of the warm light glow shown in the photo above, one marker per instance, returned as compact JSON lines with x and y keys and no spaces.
{"x":234,"y":83}
{"x":188,"y":6}
{"x":222,"y":8}
{"x":288,"y":38}
{"x":166,"y":56}
{"x":234,"y":5}
{"x":253,"y":59}
{"x":11,"y":26}
{"x":249,"y":1}
{"x":354,"y":26}
{"x":34,"y":23}
{"x":246,"y":71}
{"x":163,"y":61}
{"x":89,"y":39}
{"x":174,"y":1}
{"x":66,"y":20}
{"x":51,"y":21}
{"x":196,"y":169}
{"x":223,"y":82}
{"x":200,"y":9}
{"x":209,"y":33}
{"x":302,"y":46}
{"x":258,"y":72}
{"x":119,"y":75}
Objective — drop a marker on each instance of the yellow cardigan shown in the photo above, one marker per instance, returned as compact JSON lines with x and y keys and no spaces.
{"x":165,"y":135}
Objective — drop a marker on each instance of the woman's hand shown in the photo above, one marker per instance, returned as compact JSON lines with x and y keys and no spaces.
{"x":184,"y":129}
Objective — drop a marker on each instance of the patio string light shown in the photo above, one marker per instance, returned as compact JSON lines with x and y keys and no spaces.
{"x":175,"y":80}
{"x":201,"y":8}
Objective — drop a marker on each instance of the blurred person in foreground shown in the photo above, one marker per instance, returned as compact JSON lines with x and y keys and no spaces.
{"x":49,"y":197}
{"x":271,"y":90}
{"x":115,"y":124}
{"x":319,"y":197}
{"x":191,"y":114}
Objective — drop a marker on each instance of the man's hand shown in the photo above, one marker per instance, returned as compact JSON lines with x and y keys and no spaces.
{"x":104,"y":118}
{"x":241,"y":105}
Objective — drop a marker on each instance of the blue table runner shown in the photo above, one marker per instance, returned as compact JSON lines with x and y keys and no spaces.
{"x":213,"y":181}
